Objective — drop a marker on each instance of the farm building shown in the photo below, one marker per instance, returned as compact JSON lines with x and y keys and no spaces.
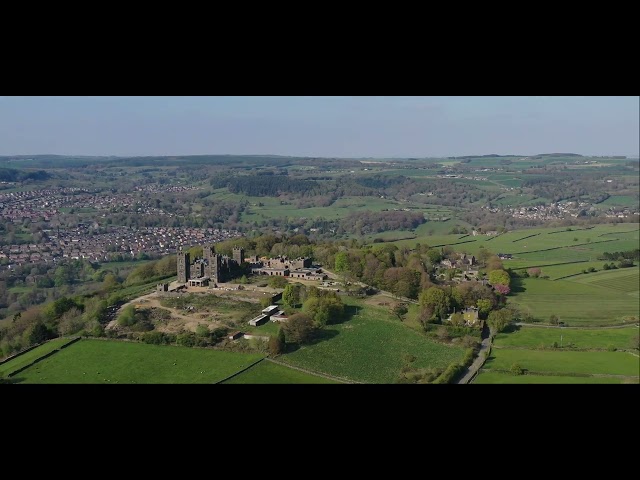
{"x":235,"y":335}
{"x":259,"y":320}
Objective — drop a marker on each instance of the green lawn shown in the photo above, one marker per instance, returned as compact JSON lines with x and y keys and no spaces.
{"x":564,"y":362}
{"x":497,"y":377}
{"x":370,"y":347}
{"x":535,"y":337}
{"x":575,"y":303}
{"x":269,"y":372}
{"x":99,"y":361}
{"x":28,"y":357}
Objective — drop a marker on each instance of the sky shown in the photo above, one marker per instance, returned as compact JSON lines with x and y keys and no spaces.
{"x":320,"y":126}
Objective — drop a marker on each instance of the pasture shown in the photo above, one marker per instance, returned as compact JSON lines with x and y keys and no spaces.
{"x":488,"y":377}
{"x":565,"y":362}
{"x":574,"y":303}
{"x":622,"y":280}
{"x":578,"y":338}
{"x":544,"y":245}
{"x":273,"y":373}
{"x":370,"y":347}
{"x":104,"y":361}
{"x":26,"y":358}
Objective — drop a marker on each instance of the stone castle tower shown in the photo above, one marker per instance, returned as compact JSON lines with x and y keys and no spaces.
{"x":184,"y":266}
{"x":214,"y":262}
{"x":238,"y":254}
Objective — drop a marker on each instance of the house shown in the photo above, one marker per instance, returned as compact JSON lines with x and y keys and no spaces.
{"x":470,"y":315}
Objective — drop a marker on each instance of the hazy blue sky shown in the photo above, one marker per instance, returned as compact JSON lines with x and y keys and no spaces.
{"x":319,"y":126}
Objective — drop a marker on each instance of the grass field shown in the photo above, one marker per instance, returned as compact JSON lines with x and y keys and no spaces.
{"x":99,"y":361}
{"x":370,"y":347}
{"x":26,"y":358}
{"x":620,"y":237}
{"x":485,"y":377}
{"x":580,"y":338}
{"x":621,"y":200}
{"x":544,"y":361}
{"x":622,"y":280}
{"x":269,"y":372}
{"x":577,"y":304}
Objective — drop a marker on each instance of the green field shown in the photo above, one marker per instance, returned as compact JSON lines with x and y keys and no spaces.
{"x":585,"y":246}
{"x":485,"y":377}
{"x":622,"y":280}
{"x":564,"y":362}
{"x":269,"y":372}
{"x":577,"y":304}
{"x":579,"y":338}
{"x":26,"y":358}
{"x":621,"y":200}
{"x":100,"y":361}
{"x":370,"y":347}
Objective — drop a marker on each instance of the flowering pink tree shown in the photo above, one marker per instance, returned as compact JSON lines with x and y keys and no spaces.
{"x":502,"y":289}
{"x":534,"y":272}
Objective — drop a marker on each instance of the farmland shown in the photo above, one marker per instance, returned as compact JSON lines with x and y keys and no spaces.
{"x":496,"y":377}
{"x":574,"y":303}
{"x":269,"y":372}
{"x":26,"y":358}
{"x":565,"y":362}
{"x":578,"y":338}
{"x":370,"y":347}
{"x":99,"y":361}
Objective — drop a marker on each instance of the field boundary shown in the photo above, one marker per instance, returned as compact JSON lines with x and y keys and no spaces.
{"x":523,"y":238}
{"x":551,"y":265}
{"x":559,"y":374}
{"x":24,"y":350}
{"x":311,"y":372}
{"x":46,"y":355}
{"x":28,"y":349}
{"x":239,"y":372}
{"x":564,"y":246}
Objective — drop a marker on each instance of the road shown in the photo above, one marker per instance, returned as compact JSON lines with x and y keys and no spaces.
{"x":480,"y":359}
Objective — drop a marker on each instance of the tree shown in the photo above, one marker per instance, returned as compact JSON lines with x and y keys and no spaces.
{"x":502,"y":289}
{"x":499,"y":277}
{"x":400,"y":310}
{"x":484,"y":307}
{"x":457,"y":319}
{"x":110,"y":282}
{"x":324,"y":309}
{"x":299,"y":328}
{"x":128,"y":316}
{"x":291,"y":295}
{"x":277,"y":343}
{"x":516,"y":369}
{"x":483,"y":255}
{"x":425,"y":316}
{"x":534,"y":272}
{"x":265,"y":302}
{"x":553,"y":320}
{"x":277,"y":282}
{"x":498,"y":320}
{"x":437,"y":299}
{"x":243,"y":280}
{"x":342,"y":265}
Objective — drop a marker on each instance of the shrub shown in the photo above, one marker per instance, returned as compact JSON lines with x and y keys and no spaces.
{"x":516,"y":369}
